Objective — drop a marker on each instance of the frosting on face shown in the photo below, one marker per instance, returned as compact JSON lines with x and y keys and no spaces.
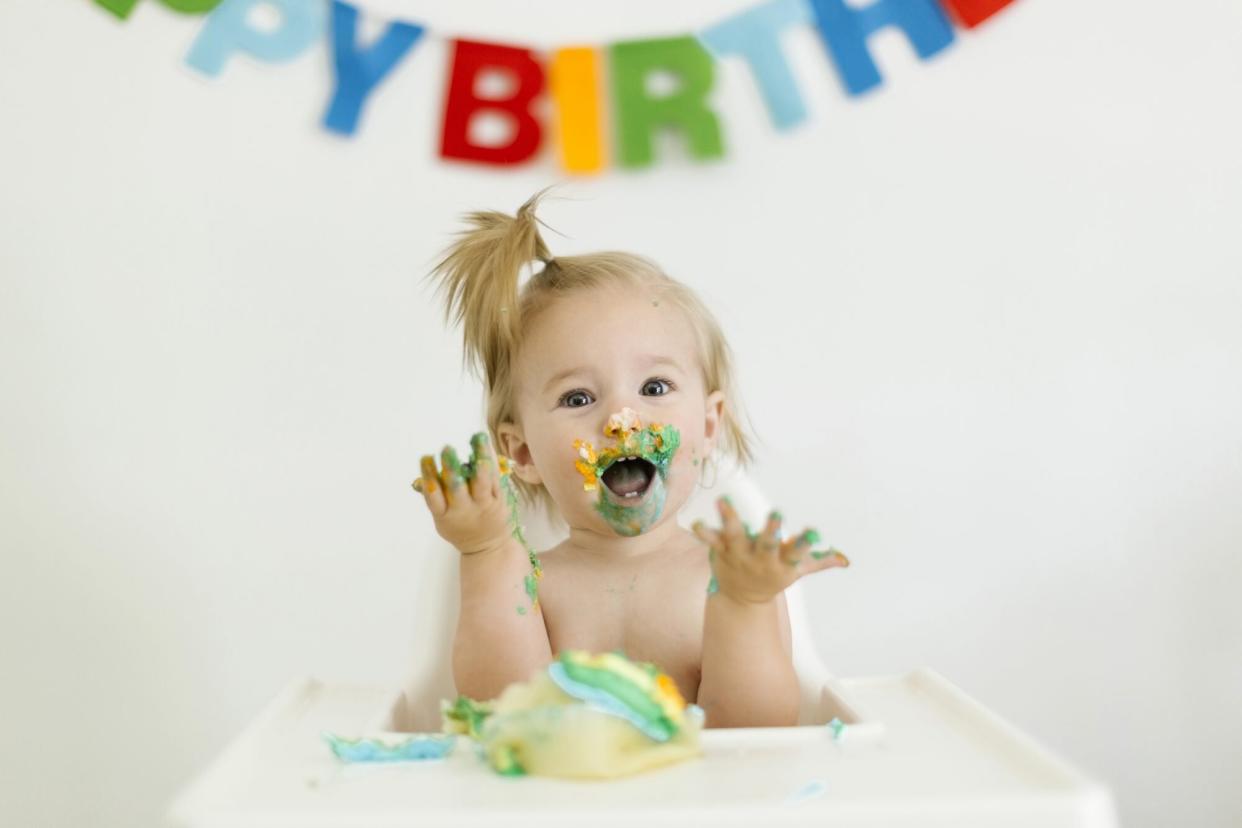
{"x":656,"y":444}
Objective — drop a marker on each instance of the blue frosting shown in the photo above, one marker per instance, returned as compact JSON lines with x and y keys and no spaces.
{"x":605,"y":702}
{"x":417,"y":747}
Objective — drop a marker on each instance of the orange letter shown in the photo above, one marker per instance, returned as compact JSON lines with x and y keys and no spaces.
{"x":575,"y":88}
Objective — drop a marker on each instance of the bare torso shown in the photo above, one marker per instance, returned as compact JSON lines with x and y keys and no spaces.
{"x":650,"y":607}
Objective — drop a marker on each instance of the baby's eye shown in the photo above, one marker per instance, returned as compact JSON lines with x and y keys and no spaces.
{"x":567,"y":399}
{"x":657,"y":383}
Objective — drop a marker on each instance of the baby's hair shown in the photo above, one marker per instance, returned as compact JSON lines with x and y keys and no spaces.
{"x":479,"y":278}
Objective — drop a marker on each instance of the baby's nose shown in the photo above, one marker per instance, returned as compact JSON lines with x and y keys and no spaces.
{"x":622,"y":422}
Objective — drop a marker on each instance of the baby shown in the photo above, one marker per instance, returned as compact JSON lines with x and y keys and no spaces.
{"x":609,"y":387}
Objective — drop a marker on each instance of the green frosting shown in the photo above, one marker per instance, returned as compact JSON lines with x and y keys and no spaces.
{"x":622,"y":688}
{"x":505,"y":761}
{"x":634,"y":520}
{"x":456,"y":471}
{"x":819,"y":556}
{"x":467,"y":714}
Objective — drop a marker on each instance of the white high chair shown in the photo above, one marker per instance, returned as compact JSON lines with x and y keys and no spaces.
{"x":914,"y":750}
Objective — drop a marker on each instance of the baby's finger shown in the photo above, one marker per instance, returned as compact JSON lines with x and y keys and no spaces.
{"x":429,"y":485}
{"x":794,"y":550}
{"x":708,"y":535}
{"x":452,"y":475}
{"x":768,"y":540}
{"x":831,"y":559}
{"x":733,"y":532}
{"x":485,"y":473}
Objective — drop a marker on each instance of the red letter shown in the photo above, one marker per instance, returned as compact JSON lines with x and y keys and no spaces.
{"x":971,"y":13}
{"x":469,"y":61}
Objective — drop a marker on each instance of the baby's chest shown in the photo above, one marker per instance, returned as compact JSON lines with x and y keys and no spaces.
{"x":648,"y":616}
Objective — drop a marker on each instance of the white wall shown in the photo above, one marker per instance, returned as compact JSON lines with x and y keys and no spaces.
{"x":997,"y":302}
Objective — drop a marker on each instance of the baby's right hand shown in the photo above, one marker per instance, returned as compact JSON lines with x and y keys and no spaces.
{"x":466,"y":502}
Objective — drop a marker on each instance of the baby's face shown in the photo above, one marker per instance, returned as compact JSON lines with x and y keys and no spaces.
{"x":587,"y":357}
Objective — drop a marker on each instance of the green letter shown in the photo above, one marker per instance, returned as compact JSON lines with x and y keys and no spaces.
{"x":639,"y":114}
{"x":122,"y":8}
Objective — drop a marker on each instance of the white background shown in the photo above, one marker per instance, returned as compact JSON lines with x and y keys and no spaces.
{"x":987,"y":320}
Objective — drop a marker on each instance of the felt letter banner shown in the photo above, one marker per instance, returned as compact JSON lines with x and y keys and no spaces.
{"x":845,"y":30}
{"x":639,"y":114}
{"x":609,"y":105}
{"x":973,"y":12}
{"x":470,"y":60}
{"x":755,"y":35}
{"x":358,"y":71}
{"x":227,"y":30}
{"x":122,"y":8}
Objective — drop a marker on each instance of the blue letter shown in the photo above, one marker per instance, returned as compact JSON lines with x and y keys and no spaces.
{"x":227,"y":31}
{"x":845,"y":32}
{"x":357,"y":72}
{"x":755,"y":34}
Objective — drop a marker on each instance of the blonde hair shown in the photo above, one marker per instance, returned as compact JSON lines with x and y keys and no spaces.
{"x":479,"y":277}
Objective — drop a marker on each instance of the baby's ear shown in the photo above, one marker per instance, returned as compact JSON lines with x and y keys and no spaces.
{"x":715,"y":414}
{"x":513,"y":445}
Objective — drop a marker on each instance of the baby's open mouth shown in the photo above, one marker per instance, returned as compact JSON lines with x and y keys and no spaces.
{"x":629,"y":477}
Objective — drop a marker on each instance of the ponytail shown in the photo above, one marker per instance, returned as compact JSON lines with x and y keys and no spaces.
{"x":479,"y":279}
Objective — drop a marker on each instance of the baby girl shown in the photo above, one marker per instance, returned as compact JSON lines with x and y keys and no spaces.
{"x":609,"y":388}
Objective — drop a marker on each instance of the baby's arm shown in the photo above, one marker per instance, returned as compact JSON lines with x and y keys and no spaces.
{"x":501,"y":637}
{"x":748,"y":678}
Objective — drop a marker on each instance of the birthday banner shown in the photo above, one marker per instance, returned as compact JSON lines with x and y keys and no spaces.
{"x":577,"y":78}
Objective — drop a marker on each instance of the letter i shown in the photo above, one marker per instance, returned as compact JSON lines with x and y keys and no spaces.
{"x":575,"y":80}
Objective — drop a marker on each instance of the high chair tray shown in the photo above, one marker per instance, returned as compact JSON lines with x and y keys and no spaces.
{"x":921,"y":753}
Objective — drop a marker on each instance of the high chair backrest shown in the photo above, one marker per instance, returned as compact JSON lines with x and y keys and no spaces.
{"x":431,"y":677}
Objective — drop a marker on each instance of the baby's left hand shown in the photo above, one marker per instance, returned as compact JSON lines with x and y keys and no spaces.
{"x":755,"y":568}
